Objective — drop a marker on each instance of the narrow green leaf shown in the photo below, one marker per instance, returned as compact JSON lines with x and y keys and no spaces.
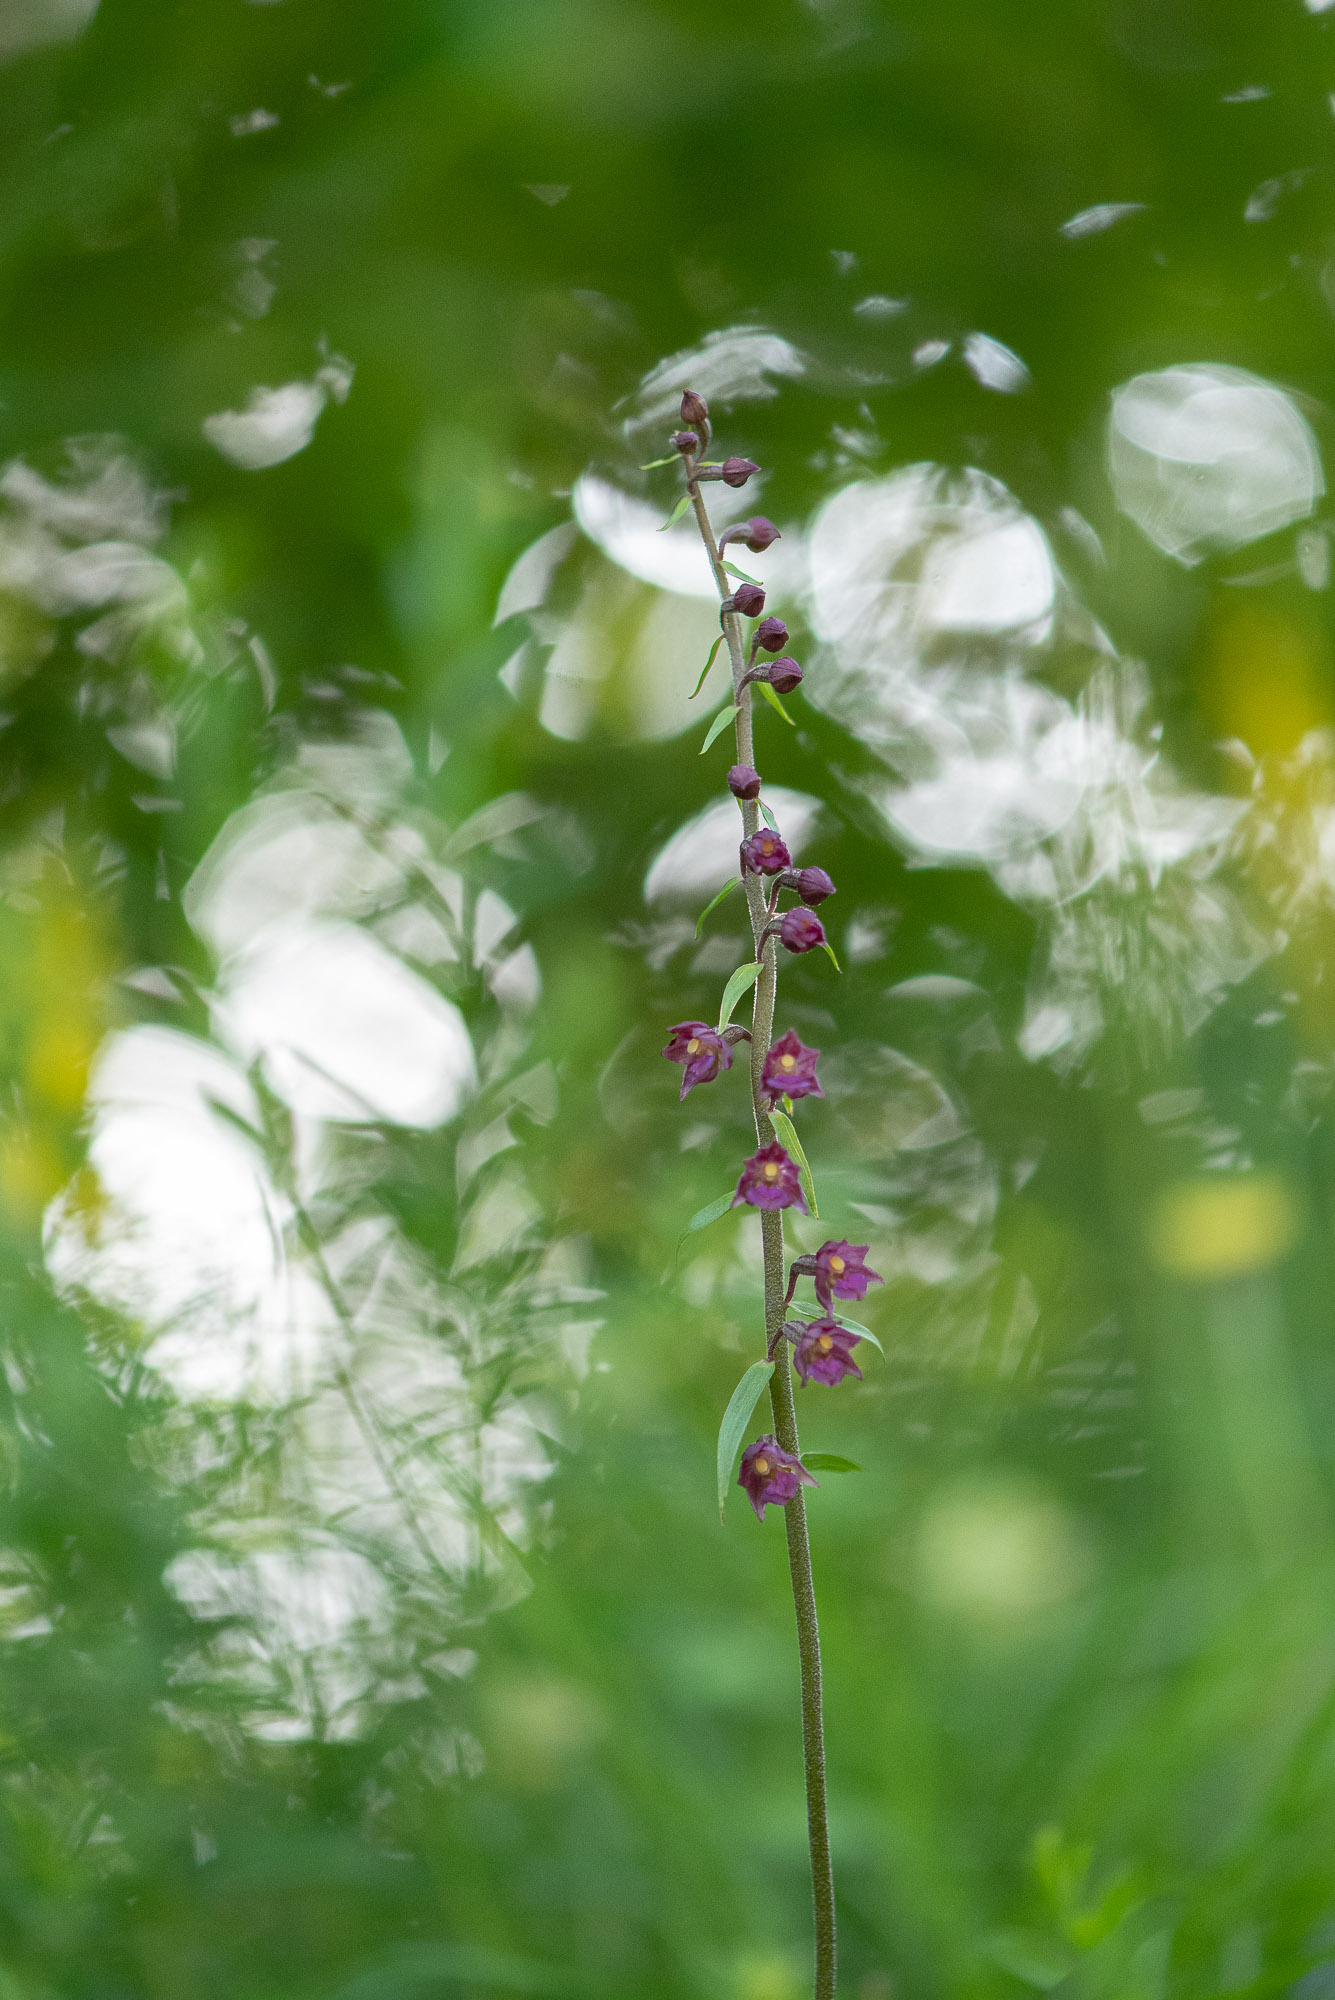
{"x":768,"y":816}
{"x":709,"y":908}
{"x":788,"y":1104}
{"x":829,"y":1461}
{"x":673,"y":458}
{"x":833,"y":960}
{"x":774,"y":702}
{"x":735,"y":1420}
{"x":733,"y":570}
{"x":787,"y":1132}
{"x":849,"y":1325}
{"x":708,"y":664}
{"x":676,"y":513}
{"x":718,"y":725}
{"x":741,"y":982}
{"x":704,"y":1216}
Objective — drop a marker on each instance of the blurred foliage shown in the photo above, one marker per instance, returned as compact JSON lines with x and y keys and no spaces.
{"x":387,"y":1643}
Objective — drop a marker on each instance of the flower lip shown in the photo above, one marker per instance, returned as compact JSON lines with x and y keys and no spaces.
{"x":770,"y":1476}
{"x":770,"y":1179}
{"x":801,"y":931}
{"x":701,"y":1050}
{"x":766,"y":853}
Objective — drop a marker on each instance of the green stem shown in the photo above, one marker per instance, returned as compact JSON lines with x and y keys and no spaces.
{"x":781,"y":1382}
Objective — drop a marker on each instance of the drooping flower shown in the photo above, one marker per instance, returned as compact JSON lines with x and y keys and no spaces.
{"x":701,"y":1050}
{"x":824,"y":1351}
{"x":766,"y":853}
{"x":736,"y":471}
{"x":801,"y":931}
{"x":842,"y":1272}
{"x":813,"y":885}
{"x":755,"y":534}
{"x":748,"y":601}
{"x":694,"y":411}
{"x":783,"y":674}
{"x":789,"y":1070}
{"x":770,"y":1180}
{"x":685,"y":441}
{"x":770,"y":1476}
{"x":771,"y":635}
{"x":744,"y":781}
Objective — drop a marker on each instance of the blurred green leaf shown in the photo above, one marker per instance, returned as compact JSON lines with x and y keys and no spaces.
{"x":717,"y":726}
{"x":711,"y":1212}
{"x":676,"y":513}
{"x":828,"y":1461}
{"x":787,"y":1132}
{"x":764,"y":688}
{"x":852,"y":1325}
{"x":741,"y":982}
{"x":732,"y":883}
{"x":704,"y":673}
{"x":742,"y":575}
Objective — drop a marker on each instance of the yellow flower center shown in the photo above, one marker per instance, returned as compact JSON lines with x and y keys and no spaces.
{"x":825,"y":1343}
{"x":771,"y":1171}
{"x":787,"y":1062}
{"x":760,"y":1465}
{"x":836,"y":1265}
{"x":693,"y":1046}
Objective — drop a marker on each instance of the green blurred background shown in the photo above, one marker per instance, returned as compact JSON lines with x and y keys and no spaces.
{"x":366,"y":1624}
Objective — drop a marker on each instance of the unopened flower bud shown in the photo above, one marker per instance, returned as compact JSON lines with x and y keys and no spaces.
{"x":771,"y":635}
{"x":783,"y":674}
{"x":755,"y":534}
{"x":813,"y":885}
{"x":800,"y":931}
{"x":748,"y":601}
{"x":744,"y":782}
{"x":736,"y":471}
{"x":685,"y":441}
{"x":694,"y":411}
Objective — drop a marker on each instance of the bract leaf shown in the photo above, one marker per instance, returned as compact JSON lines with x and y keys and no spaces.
{"x":735,"y":1420}
{"x":710,"y":907}
{"x":704,"y":1216}
{"x":829,"y":1461}
{"x":708,"y":664}
{"x":676,"y":513}
{"x":792,"y":1145}
{"x":833,"y":960}
{"x":673,"y":458}
{"x":741,"y":982}
{"x":733,"y":570}
{"x":768,"y":816}
{"x":849,"y":1325}
{"x":717,"y":726}
{"x":774,"y":701}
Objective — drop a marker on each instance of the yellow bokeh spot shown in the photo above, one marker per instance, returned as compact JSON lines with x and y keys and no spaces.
{"x":1266,"y":673}
{"x":1225,"y":1227}
{"x":58,"y":1057}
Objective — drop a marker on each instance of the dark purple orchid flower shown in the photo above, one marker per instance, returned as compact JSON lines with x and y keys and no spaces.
{"x":766,"y":853}
{"x":813,"y":885}
{"x":770,"y":1180}
{"x":736,"y":471}
{"x":770,"y":1476}
{"x":841,"y":1271}
{"x":790,"y":1070}
{"x":824,"y":1351}
{"x":694,"y":411}
{"x":783,"y":674}
{"x":755,"y":534}
{"x":771,"y":635}
{"x":702,"y":1051}
{"x":744,"y":781}
{"x":800,"y":931}
{"x":685,"y":441}
{"x":748,"y":601}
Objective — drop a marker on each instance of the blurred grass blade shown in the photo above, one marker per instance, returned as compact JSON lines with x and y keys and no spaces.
{"x":787,"y":1132}
{"x":720,"y":723}
{"x":708,"y":664}
{"x":711,"y":906}
{"x":774,"y":701}
{"x":741,"y":982}
{"x":735,"y":1420}
{"x":829,"y":1461}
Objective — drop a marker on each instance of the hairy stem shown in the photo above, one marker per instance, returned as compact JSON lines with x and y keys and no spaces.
{"x":781,"y":1382}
